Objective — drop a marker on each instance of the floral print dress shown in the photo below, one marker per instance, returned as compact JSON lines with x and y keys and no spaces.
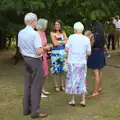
{"x":57,"y":62}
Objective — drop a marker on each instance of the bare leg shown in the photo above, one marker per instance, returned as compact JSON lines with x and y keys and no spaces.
{"x":83,"y":99}
{"x":97,"y":80}
{"x":62,"y":83}
{"x":72,"y":102}
{"x":73,"y":98}
{"x":97,"y":83}
{"x":56,"y":76}
{"x":43,"y":89}
{"x":100,"y":73}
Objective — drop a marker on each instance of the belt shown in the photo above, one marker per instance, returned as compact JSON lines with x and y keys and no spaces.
{"x":97,"y":49}
{"x":27,"y":57}
{"x":32,"y":57}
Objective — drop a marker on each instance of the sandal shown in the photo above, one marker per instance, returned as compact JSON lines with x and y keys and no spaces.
{"x":57,"y":89}
{"x":72,"y":103}
{"x":100,"y":90}
{"x":83,"y":104}
{"x":93,"y":95}
{"x":63,"y":88}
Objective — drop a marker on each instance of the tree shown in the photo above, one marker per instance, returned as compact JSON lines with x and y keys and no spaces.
{"x":69,"y":11}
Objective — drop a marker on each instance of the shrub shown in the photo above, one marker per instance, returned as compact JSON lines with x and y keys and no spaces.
{"x":68,"y":30}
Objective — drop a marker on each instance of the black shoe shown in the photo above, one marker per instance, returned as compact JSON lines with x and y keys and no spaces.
{"x":114,"y":49}
{"x":41,"y":115}
{"x":27,"y":113}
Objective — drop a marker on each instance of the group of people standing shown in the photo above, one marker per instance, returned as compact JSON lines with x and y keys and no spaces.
{"x":79,"y":51}
{"x":112,"y":31}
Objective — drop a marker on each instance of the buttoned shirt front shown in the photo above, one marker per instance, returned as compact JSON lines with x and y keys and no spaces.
{"x":28,"y":41}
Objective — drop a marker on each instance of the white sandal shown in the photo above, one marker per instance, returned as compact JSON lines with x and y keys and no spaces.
{"x":72,"y":103}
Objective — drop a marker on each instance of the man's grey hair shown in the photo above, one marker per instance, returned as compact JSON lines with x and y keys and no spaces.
{"x":29,"y":17}
{"x":79,"y":27}
{"x":42,"y":24}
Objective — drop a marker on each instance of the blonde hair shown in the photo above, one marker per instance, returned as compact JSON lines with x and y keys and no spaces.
{"x":42,"y":24}
{"x":88,"y":33}
{"x":79,"y":27}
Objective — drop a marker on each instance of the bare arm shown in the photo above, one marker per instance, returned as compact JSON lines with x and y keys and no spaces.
{"x":55,"y":43}
{"x":66,"y":50}
{"x":39,"y":51}
{"x":92,"y":40}
{"x":88,"y":52}
{"x":65,"y":38}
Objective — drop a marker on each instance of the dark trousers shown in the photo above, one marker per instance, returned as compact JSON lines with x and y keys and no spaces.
{"x":32,"y":85}
{"x":111,"y":38}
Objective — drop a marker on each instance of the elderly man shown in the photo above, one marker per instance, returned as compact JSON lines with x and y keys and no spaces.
{"x":30,"y":45}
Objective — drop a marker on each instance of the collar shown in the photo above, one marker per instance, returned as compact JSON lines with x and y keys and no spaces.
{"x":29,"y":27}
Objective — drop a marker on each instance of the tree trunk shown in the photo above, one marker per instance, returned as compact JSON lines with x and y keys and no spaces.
{"x":2,"y":40}
{"x":17,"y":55}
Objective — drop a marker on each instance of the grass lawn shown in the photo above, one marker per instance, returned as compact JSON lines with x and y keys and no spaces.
{"x":104,"y":107}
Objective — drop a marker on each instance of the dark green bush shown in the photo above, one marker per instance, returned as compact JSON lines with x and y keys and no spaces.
{"x":68,"y":30}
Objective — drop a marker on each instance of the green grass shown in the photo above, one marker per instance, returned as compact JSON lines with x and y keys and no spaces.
{"x":105,"y":107}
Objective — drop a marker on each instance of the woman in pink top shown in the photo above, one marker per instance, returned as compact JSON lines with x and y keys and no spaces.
{"x":41,"y":27}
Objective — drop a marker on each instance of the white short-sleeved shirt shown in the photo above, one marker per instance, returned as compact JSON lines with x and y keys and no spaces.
{"x":78,"y":45}
{"x":117,"y":24}
{"x":28,"y":41}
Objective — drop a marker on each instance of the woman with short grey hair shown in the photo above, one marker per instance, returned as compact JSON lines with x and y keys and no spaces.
{"x":78,"y":48}
{"x":41,"y":27}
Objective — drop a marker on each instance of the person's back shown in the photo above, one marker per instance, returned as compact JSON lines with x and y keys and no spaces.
{"x":117,"y":24}
{"x":27,"y":41}
{"x":111,"y":29}
{"x":78,"y":46}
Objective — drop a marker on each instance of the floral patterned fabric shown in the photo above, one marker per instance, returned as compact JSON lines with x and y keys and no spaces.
{"x":76,"y":79}
{"x":57,"y":61}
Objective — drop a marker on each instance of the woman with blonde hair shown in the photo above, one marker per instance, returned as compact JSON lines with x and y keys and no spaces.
{"x":41,"y":27}
{"x":78,"y":48}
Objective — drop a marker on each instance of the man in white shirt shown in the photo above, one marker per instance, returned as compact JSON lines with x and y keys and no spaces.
{"x":117,"y":25}
{"x":30,"y":45}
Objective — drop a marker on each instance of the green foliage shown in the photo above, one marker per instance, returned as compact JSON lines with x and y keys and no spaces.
{"x":68,"y":30}
{"x":69,"y":11}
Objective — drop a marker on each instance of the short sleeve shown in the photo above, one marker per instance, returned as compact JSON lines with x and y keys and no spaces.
{"x":37,"y":41}
{"x":19,"y":40}
{"x":88,"y":46}
{"x":68,"y":42}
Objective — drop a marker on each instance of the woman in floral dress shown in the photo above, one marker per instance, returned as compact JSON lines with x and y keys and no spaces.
{"x":59,"y":39}
{"x":78,"y":47}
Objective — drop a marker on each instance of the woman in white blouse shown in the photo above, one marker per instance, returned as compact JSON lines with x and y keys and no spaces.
{"x":78,"y":47}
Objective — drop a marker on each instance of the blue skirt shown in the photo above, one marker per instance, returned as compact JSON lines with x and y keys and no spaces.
{"x":96,"y":60}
